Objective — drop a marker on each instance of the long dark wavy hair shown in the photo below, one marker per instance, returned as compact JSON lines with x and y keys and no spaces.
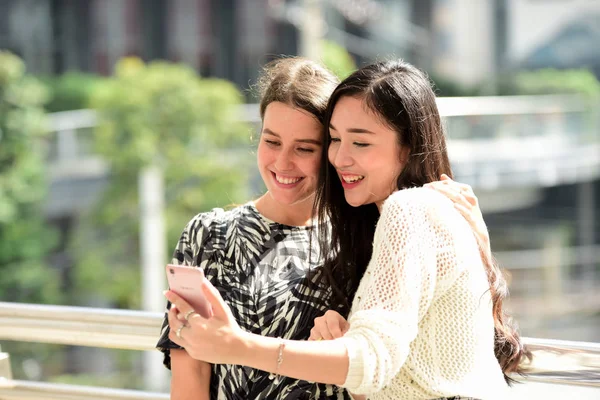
{"x":402,"y":96}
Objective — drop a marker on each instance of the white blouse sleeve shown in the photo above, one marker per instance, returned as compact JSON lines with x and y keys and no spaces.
{"x":412,"y":254}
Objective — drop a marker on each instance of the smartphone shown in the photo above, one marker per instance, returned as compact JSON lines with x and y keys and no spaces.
{"x":186,"y":281}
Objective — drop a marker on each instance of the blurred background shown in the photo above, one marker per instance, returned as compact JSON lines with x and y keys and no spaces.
{"x":122,"y":119}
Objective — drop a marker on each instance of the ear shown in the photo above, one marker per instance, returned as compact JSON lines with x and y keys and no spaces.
{"x":404,"y":155}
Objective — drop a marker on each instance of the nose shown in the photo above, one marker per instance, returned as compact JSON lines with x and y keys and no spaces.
{"x":339,"y":155}
{"x":285,"y":161}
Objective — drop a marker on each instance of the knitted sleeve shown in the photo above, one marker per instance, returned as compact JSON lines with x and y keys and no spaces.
{"x":412,"y":255}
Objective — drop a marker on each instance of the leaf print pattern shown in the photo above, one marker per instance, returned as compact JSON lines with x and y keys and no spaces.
{"x":262,"y":270}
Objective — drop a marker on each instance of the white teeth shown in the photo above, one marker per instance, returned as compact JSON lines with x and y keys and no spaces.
{"x":352,"y":179}
{"x":286,"y":181}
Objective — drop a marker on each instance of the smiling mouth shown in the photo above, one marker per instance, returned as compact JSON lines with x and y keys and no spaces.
{"x":352,"y":178}
{"x":286,"y":180}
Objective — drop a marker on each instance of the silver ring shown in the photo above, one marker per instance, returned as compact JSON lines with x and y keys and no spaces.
{"x":178,"y":331}
{"x":189,"y":314}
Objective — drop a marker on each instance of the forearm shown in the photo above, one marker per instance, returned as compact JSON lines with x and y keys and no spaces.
{"x":190,"y":378}
{"x":314,"y":361}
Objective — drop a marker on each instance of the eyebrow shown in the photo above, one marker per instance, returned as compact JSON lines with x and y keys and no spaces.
{"x":308,"y":141}
{"x":354,"y":130}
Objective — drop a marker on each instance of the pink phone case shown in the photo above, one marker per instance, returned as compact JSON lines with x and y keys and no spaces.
{"x":187,"y":282}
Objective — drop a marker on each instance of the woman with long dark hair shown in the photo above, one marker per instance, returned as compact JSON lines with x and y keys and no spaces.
{"x":426,"y":319}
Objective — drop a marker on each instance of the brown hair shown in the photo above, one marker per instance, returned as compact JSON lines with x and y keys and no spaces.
{"x":402,"y":96}
{"x":298,"y":82}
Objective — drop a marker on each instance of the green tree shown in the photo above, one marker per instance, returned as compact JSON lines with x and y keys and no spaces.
{"x":337,"y":59}
{"x":71,"y":91}
{"x":553,"y":81}
{"x":163,"y":114}
{"x":535,"y":82}
{"x":550,"y":81}
{"x":445,"y":87}
{"x":25,"y":240}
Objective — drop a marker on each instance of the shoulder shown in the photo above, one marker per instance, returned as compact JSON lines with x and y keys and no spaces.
{"x":207,"y":233}
{"x":206,"y":220}
{"x":219,"y":217}
{"x":216,"y":222}
{"x":427,"y":215}
{"x":244,"y":223}
{"x":418,"y":203}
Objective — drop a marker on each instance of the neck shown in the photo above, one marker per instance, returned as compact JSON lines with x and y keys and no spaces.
{"x":379,"y":203}
{"x":297,"y":214}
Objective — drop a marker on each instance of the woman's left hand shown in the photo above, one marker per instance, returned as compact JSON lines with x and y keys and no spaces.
{"x":467,"y":204}
{"x":216,"y":340}
{"x":329,"y":326}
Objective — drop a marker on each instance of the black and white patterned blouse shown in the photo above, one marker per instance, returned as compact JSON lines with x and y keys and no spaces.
{"x":261,"y":268}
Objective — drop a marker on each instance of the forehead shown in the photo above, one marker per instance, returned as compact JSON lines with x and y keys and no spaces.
{"x":352,"y":116}
{"x":352,"y":111}
{"x":284,"y":119}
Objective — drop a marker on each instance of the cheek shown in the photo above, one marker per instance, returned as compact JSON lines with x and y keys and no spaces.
{"x":390,"y":165}
{"x":378,"y":163}
{"x":312,"y":165}
{"x":400,"y":157}
{"x":263,"y":155}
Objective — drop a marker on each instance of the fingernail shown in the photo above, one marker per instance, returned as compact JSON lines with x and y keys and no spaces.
{"x":165,"y":292}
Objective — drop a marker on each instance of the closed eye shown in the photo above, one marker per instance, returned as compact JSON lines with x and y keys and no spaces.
{"x":271,"y":142}
{"x":357,"y":144}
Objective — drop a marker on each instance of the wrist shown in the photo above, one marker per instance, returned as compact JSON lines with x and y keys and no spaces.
{"x":257,"y":351}
{"x":245,"y":346}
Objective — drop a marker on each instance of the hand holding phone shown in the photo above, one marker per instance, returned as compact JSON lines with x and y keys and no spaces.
{"x":186,"y":281}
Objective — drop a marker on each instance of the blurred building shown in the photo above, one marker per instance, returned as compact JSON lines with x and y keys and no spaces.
{"x":473,"y":41}
{"x":222,"y":38}
{"x":465,"y":40}
{"x":568,"y":38}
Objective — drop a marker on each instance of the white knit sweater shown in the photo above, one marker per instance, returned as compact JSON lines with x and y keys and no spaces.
{"x":421,"y":324}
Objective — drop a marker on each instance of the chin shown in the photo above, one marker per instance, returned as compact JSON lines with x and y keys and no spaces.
{"x":354,"y":202}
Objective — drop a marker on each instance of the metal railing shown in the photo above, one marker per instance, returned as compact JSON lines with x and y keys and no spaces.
{"x":554,"y":361}
{"x":26,"y":390}
{"x":77,"y":326}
